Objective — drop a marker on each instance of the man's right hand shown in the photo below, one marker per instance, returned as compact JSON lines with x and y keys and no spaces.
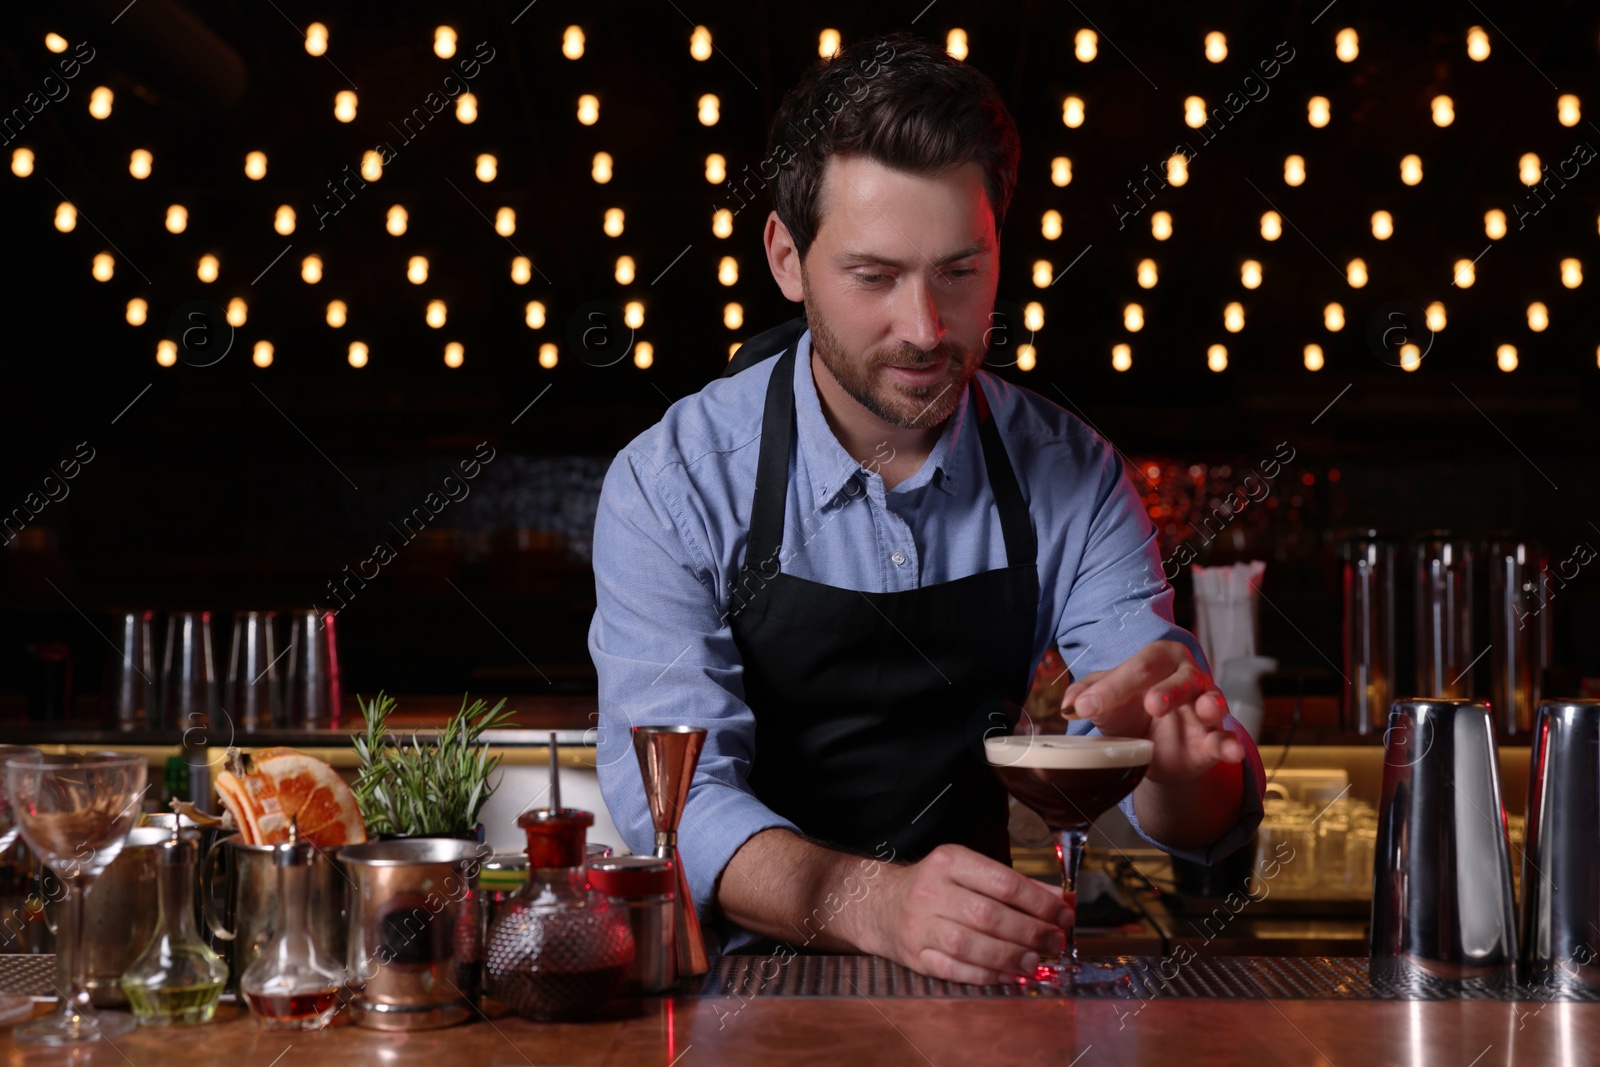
{"x":962,"y":917}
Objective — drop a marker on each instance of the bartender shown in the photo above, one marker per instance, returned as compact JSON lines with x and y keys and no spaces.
{"x":846,"y":557}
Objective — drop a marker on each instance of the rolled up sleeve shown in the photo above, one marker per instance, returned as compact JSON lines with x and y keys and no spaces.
{"x":665,"y":655}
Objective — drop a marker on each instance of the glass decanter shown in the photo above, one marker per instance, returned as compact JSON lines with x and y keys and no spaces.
{"x":292,"y":984}
{"x":177,"y":980}
{"x":560,"y":949}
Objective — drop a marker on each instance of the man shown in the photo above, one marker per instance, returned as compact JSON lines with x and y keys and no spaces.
{"x":845,"y":561}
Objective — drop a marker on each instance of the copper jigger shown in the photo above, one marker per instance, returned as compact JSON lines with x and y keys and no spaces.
{"x":667,"y":759}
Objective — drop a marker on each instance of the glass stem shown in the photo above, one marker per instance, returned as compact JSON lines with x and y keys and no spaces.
{"x":78,"y":1002}
{"x":1069,"y":850}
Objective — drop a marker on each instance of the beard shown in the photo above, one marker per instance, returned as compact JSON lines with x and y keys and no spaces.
{"x":863,"y":377}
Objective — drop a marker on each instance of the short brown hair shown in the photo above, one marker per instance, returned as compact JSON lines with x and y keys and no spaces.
{"x":899,"y":101}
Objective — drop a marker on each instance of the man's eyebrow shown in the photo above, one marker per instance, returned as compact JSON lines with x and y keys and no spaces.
{"x":873,"y":257}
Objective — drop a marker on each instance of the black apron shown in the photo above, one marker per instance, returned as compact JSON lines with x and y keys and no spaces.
{"x":871,"y":708}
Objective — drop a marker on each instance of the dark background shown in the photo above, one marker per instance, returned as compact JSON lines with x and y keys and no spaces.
{"x":231,"y":486}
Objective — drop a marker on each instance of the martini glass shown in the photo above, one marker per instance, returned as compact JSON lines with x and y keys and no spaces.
{"x":75,"y":812}
{"x":1070,"y":780}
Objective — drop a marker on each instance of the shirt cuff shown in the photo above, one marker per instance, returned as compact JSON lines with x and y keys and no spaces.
{"x":1250,"y":810}
{"x":717,"y":821}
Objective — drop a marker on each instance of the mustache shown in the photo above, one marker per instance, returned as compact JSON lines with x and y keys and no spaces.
{"x":916,"y":357}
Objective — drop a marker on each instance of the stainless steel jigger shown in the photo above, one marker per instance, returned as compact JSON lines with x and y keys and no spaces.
{"x":1561,"y":864}
{"x":1441,"y":886}
{"x":668,"y":756}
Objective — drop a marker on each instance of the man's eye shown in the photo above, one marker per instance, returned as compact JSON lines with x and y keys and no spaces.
{"x":871,"y":279}
{"x":965,"y":272}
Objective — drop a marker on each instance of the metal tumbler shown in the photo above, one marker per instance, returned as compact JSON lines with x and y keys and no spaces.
{"x":1518,"y":572}
{"x":1368,"y":579}
{"x":188,"y":672}
{"x":1441,"y":887}
{"x":1443,"y":616}
{"x":132,"y":696}
{"x":312,"y":698}
{"x":254,"y":695}
{"x":1561,"y":863}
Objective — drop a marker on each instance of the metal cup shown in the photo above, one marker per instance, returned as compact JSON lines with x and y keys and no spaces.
{"x":1561,"y":863}
{"x":188,"y":671}
{"x":416,"y":934}
{"x":1368,"y":579}
{"x":1443,"y":615}
{"x":313,"y":696}
{"x":131,"y":694}
{"x":1441,"y":887}
{"x":1518,"y":571}
{"x":254,"y":698}
{"x":239,"y":887}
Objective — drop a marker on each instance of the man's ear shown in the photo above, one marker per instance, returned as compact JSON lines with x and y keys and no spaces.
{"x":783,"y":258}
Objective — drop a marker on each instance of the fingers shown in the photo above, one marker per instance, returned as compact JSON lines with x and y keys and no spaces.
{"x":1125,"y":685}
{"x":998,"y":883}
{"x":1206,"y":742}
{"x":936,"y":964}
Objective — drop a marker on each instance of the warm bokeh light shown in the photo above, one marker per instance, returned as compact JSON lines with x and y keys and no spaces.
{"x":624,"y":270}
{"x":1505,"y":358}
{"x":1464,"y":274}
{"x":55,"y":42}
{"x":572,"y":42}
{"x":547,"y":355}
{"x":1444,"y":111}
{"x":1538,"y":317}
{"x":371,"y":165}
{"x":311,"y":270}
{"x":1571,"y":273}
{"x":435,"y":315}
{"x":1217,"y":358}
{"x":177,"y":218}
{"x":1133,"y":318}
{"x":1216,"y":46}
{"x":1494,"y":223}
{"x":1294,"y":170}
{"x":1233,"y":317}
{"x":167,"y":353}
{"x":485,"y":168}
{"x":716,"y":169}
{"x":1250,"y":274}
{"x":466,"y":109}
{"x":1033,"y":316}
{"x":1568,"y":113}
{"x":344,"y":105}
{"x":1333,"y":317}
{"x":1436,"y":319}
{"x":1177,"y":169}
{"x":138,"y":311}
{"x":66,"y":217}
{"x":100,"y":102}
{"x":1027,"y":357}
{"x":1271,"y":225}
{"x":283,"y":220}
{"x":1313,"y":357}
{"x":1318,"y":111}
{"x":357,"y":354}
{"x":1477,"y":44}
{"x":1060,"y":171}
{"x":533,"y":315}
{"x":728,"y":270}
{"x":22,"y":162}
{"x":1356,"y":273}
{"x":1194,"y":112}
{"x":316,"y":39}
{"x":207,"y":269}
{"x":1043,"y":271}
{"x":708,"y":109}
{"x":505,"y":221}
{"x":1146,"y":274}
{"x":1346,"y":45}
{"x":1528,"y":168}
{"x":733,"y":316}
{"x":1121,"y":357}
{"x":614,"y":221}
{"x":255,"y":165}
{"x":700,"y":44}
{"x":588,"y":109}
{"x":955,"y":43}
{"x":633,"y":314}
{"x":722,"y":222}
{"x":139,"y":163}
{"x":238,"y":312}
{"x":600,"y":170}
{"x":261,"y":354}
{"x":455,"y":353}
{"x":395,"y":220}
{"x":644,"y":354}
{"x":1085,"y":45}
{"x":1161,"y":225}
{"x":1072,"y":112}
{"x":1410,"y":357}
{"x":1382,"y":225}
{"x":1411,"y":169}
{"x":444,"y":42}
{"x":827,"y":43}
{"x":417,"y":270}
{"x":1050,"y":225}
{"x":338,"y":313}
{"x":521,"y":270}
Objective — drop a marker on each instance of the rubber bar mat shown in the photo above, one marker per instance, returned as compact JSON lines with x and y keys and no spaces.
{"x":1150,"y":978}
{"x":29,"y":973}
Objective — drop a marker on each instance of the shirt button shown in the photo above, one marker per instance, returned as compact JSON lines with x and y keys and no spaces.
{"x":899,"y":559}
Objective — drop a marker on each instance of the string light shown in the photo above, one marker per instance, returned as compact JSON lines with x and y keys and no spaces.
{"x":238,"y":312}
{"x":137,"y":312}
{"x":283,"y":220}
{"x":955,"y":43}
{"x":1506,"y":357}
{"x":1313,"y":357}
{"x":444,"y":42}
{"x":722,"y":222}
{"x":624,"y":271}
{"x":1333,"y":317}
{"x":371,"y":165}
{"x":700,"y":44}
{"x":1477,"y":44}
{"x":1233,"y":317}
{"x":1271,"y":226}
{"x":1043,"y":271}
{"x":22,"y":162}
{"x":534,"y":315}
{"x":728,"y":270}
{"x":100,"y":102}
{"x":1382,"y":225}
{"x":1444,"y":111}
{"x":1177,"y":169}
{"x":1027,"y":357}
{"x":633,"y":314}
{"x":486,"y":168}
{"x":395,"y":221}
{"x":1060,"y":171}
{"x":644,"y":354}
{"x":716,"y":169}
{"x":1411,"y":169}
{"x":261,"y":354}
{"x":1436,"y":320}
{"x":588,"y":109}
{"x":1410,"y":357}
{"x":338,"y":313}
{"x":1571,"y":273}
{"x":66,"y":217}
{"x":709,"y":109}
{"x":344,"y":105}
{"x":1216,"y":46}
{"x":55,"y":42}
{"x":466,"y":109}
{"x":207,"y":269}
{"x":1217,"y":358}
{"x":614,"y":222}
{"x":1294,"y":170}
{"x":417,"y":270}
{"x":1133,"y":318}
{"x":827,"y":43}
{"x":547,"y":355}
{"x":1161,"y":225}
{"x":255,"y":165}
{"x":1346,"y":45}
{"x":316,"y":39}
{"x":733,"y":316}
{"x":1356,"y":273}
{"x":1568,"y":113}
{"x":1538,"y":317}
{"x":435,"y":314}
{"x":1494,"y":223}
{"x":1072,"y":112}
{"x":1194,"y":112}
{"x":1318,"y":110}
{"x":1528,"y":168}
{"x":1250,"y":274}
{"x":1465,"y":274}
{"x":572,"y":42}
{"x":1085,"y":45}
{"x":1050,"y":225}
{"x":521,"y":270}
{"x":311,"y":270}
{"x":167,"y":353}
{"x":1033,"y":315}
{"x":455,"y":353}
{"x":1146,"y":274}
{"x":505,"y":222}
{"x":139,"y":163}
{"x":177,"y":218}
{"x":1121,"y":357}
{"x":358,"y":354}
{"x":600,"y":171}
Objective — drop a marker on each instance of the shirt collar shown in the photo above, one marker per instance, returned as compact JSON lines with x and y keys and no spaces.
{"x":831,"y":468}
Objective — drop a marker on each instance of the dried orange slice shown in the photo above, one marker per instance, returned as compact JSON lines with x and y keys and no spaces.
{"x":265,"y":790}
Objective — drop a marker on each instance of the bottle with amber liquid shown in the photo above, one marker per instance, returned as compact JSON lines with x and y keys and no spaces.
{"x":292,"y":984}
{"x":177,"y":980}
{"x":560,"y":949}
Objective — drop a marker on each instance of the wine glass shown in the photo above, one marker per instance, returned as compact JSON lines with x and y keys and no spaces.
{"x":13,"y":1006}
{"x":75,"y":812}
{"x":1069,"y":780}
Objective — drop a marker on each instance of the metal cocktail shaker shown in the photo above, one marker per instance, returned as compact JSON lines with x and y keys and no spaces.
{"x":1368,"y":580}
{"x":1441,"y":887}
{"x":1561,"y":864}
{"x":1443,"y":615}
{"x":1518,"y":626}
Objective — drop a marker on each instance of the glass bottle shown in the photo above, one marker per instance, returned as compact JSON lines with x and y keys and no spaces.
{"x":560,"y":949}
{"x":177,"y":980}
{"x":292,"y":985}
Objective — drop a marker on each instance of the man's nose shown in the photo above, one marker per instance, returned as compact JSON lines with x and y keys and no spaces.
{"x":919,"y":323}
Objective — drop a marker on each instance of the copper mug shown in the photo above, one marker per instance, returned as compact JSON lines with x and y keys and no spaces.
{"x":239,"y":885}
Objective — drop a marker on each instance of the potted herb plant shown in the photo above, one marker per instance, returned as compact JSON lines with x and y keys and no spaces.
{"x":418,"y":789}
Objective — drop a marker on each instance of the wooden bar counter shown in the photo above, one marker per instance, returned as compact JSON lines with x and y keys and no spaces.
{"x":690,"y":1031}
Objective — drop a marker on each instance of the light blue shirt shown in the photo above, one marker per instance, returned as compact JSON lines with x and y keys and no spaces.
{"x":670,"y":534}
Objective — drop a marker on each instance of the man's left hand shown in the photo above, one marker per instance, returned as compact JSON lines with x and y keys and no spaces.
{"x":1160,"y":693}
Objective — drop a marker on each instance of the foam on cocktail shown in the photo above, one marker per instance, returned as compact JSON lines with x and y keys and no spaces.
{"x":1067,"y":752}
